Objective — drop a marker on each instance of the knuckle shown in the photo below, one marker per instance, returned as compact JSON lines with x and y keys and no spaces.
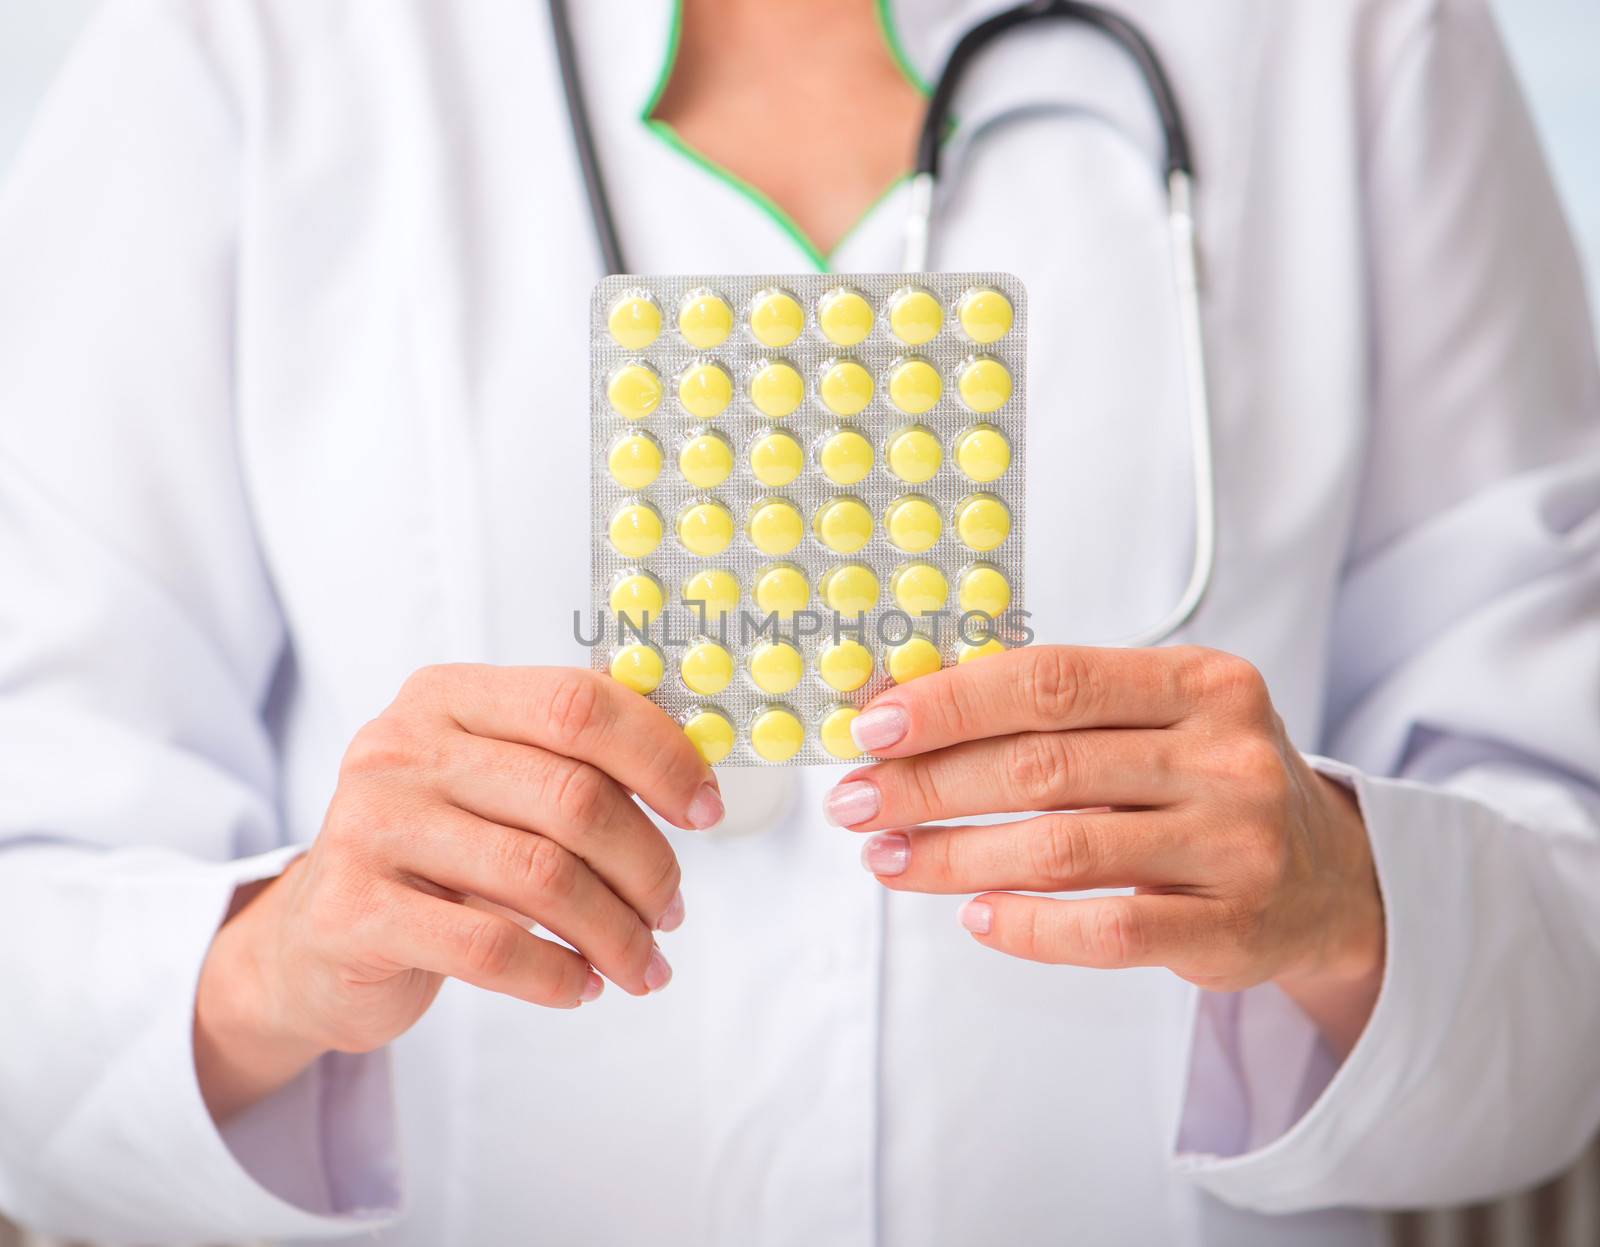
{"x":1228,"y":680}
{"x":575,"y":703}
{"x":1060,"y":681}
{"x":490,"y":947}
{"x":1255,"y":763}
{"x":383,"y":746}
{"x":1116,"y":935}
{"x":1040,"y":766}
{"x":546,"y":869}
{"x":1063,"y":852}
{"x":922,"y":785}
{"x":579,"y":796}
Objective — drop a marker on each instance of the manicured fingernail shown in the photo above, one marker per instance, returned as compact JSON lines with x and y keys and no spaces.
{"x":706,"y":811}
{"x":880,"y":728}
{"x":592,"y":988}
{"x":887,"y":854}
{"x":672,"y":916}
{"x":849,"y":804}
{"x":977,"y":917}
{"x":658,"y":973}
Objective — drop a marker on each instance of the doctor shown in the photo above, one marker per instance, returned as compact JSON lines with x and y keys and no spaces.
{"x":290,"y":445}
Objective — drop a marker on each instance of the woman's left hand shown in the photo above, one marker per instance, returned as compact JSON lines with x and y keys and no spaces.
{"x":1164,"y":770}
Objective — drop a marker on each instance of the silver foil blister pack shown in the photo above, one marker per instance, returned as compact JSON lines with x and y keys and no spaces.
{"x":805,"y":488}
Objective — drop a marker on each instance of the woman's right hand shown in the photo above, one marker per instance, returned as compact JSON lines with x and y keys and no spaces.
{"x":511,"y":786}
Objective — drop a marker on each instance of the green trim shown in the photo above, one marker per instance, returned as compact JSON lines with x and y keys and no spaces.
{"x":665,"y":132}
{"x":674,"y":38}
{"x":897,"y":49}
{"x":756,"y":196}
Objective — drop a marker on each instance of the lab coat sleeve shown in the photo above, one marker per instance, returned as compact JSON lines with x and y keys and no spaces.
{"x":1465,"y":700}
{"x":139,"y":645}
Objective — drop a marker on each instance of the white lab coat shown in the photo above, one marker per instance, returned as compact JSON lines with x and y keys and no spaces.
{"x":292,"y":401}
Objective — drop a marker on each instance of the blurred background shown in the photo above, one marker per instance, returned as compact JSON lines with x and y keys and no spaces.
{"x":1556,"y":44}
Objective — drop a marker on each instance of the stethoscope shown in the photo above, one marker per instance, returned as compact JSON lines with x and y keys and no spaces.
{"x":1179,"y":173}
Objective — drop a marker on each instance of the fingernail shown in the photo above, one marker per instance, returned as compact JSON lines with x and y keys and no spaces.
{"x":849,"y":804}
{"x":887,"y":854}
{"x":658,"y":973}
{"x":672,"y":916}
{"x":880,"y":728}
{"x":977,"y":917}
{"x":592,"y":988}
{"x":706,"y":811}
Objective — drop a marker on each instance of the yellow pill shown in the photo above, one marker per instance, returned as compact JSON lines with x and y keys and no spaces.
{"x":776,"y":318}
{"x":707,"y":668}
{"x":776,"y":526}
{"x":705,"y":320}
{"x":846,"y":388}
{"x":835,"y":733}
{"x":715,"y":592}
{"x":915,"y":386}
{"x":777,"y":734}
{"x":776,"y":667}
{"x":776,"y":459}
{"x":917,"y":657}
{"x":782,"y":591}
{"x":638,"y":667}
{"x":636,"y":530}
{"x":844,"y":525}
{"x":920,"y":588}
{"x":705,"y":390}
{"x":983,"y":522}
{"x":846,"y":457}
{"x":915,"y":317}
{"x":913,"y":524}
{"x":984,"y":589}
{"x":634,"y":321}
{"x":711,"y":732}
{"x":777,"y":390}
{"x":635,"y":460}
{"x":985,"y":315}
{"x":706,"y":528}
{"x":915,"y":455}
{"x":850,"y":590}
{"x":638,"y":598}
{"x":634,"y":391}
{"x":983,"y":453}
{"x":968,"y":652}
{"x":985,"y":385}
{"x":844,"y":317}
{"x":845,"y":666}
{"x":706,"y":460}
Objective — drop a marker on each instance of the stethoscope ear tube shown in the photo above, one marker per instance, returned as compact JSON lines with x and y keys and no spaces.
{"x":1183,"y":246}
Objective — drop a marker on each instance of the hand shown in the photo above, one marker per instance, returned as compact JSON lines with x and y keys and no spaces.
{"x":507,"y":789}
{"x":1167,"y":771}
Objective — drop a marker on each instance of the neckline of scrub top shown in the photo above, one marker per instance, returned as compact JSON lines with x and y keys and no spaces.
{"x":627,"y":51}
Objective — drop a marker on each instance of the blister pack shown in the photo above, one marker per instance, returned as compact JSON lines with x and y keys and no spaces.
{"x":804,"y":488}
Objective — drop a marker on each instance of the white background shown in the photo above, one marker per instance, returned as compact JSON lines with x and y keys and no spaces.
{"x":1556,"y":44}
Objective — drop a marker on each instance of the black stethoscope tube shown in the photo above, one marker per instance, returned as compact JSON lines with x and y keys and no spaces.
{"x":1117,"y":28}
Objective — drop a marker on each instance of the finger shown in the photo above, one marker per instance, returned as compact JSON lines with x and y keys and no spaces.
{"x":1102,"y":932}
{"x":1034,"y":689}
{"x":1033,"y":771}
{"x":574,"y":804}
{"x":483,"y":949}
{"x":584,"y":715}
{"x":532,"y":875}
{"x":1051,"y":853}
